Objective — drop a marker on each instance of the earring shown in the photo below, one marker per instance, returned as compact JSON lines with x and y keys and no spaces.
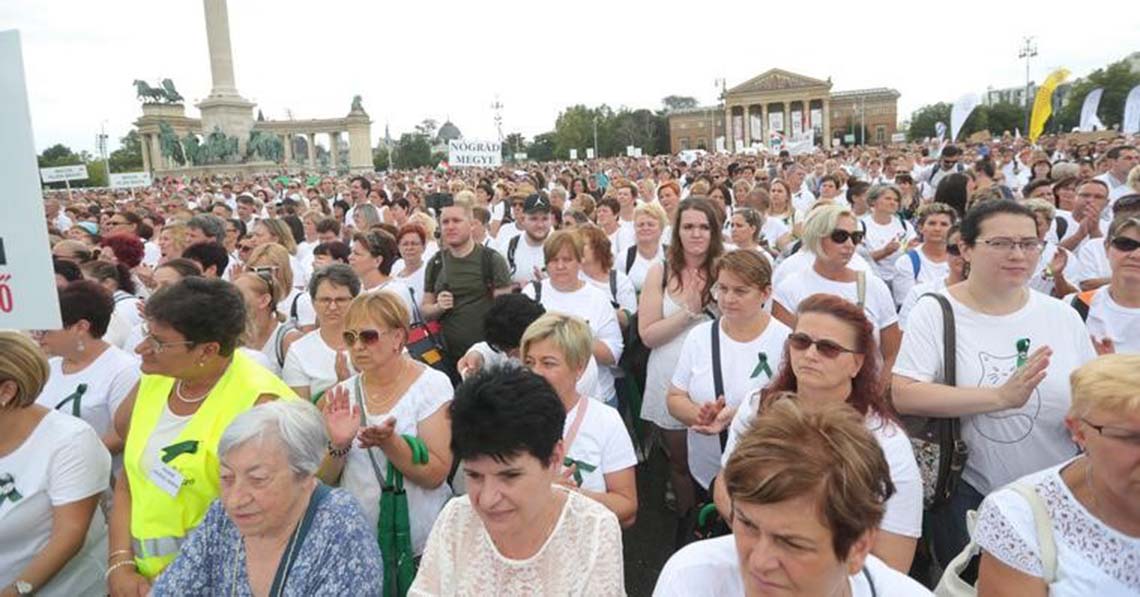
{"x":80,"y":346}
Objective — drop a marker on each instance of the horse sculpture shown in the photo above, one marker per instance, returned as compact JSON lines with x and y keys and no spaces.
{"x":171,"y":94}
{"x":146,"y":92}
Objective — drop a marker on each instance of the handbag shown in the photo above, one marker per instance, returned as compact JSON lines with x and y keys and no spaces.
{"x":425,"y":338}
{"x":937,"y":441}
{"x":951,"y":583}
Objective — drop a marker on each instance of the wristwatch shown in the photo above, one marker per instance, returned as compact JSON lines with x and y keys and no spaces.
{"x":24,"y":587}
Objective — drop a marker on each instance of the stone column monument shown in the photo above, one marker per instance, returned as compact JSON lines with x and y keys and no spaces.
{"x":224,"y":108}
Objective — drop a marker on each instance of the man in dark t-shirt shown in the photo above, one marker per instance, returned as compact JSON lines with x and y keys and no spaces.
{"x":461,"y":281}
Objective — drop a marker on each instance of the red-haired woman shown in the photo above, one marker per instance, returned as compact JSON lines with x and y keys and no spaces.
{"x":831,"y":357}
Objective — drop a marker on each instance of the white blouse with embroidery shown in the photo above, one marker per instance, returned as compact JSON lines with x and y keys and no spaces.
{"x":1092,"y":558}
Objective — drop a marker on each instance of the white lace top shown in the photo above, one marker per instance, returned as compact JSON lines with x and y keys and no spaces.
{"x":1092,"y":558}
{"x":583,"y":556}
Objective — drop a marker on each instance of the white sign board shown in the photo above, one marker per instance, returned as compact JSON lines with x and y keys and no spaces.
{"x":62,"y":173}
{"x":520,"y":156}
{"x":463,"y":153}
{"x":629,"y":151}
{"x":589,"y":153}
{"x":636,"y":152}
{"x":28,"y":298}
{"x":573,"y":154}
{"x":130,"y":180}
{"x":898,"y":138}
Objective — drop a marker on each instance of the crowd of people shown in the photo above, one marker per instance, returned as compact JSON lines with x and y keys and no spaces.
{"x":447,"y":382}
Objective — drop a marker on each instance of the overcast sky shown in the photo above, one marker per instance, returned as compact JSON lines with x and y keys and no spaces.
{"x":449,"y":59}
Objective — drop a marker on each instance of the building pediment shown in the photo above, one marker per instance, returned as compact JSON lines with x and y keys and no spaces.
{"x":777,"y":80}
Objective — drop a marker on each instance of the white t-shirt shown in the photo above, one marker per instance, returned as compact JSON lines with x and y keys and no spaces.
{"x":626,"y":296}
{"x":712,"y":568}
{"x":306,"y":314}
{"x":310,"y":362}
{"x":1041,"y":280}
{"x":743,"y":376}
{"x":904,"y":278}
{"x":773,"y":230}
{"x":587,"y":384}
{"x":916,"y":293}
{"x":593,"y":306}
{"x":526,"y":258}
{"x":1007,"y":444}
{"x":879,"y":236}
{"x":430,"y":392}
{"x":1070,"y":229}
{"x":414,"y":281}
{"x":1092,"y":262}
{"x":602,"y":442}
{"x":398,"y":288}
{"x":903,"y":515}
{"x":119,"y":332}
{"x":1092,"y":557}
{"x":108,"y":378}
{"x":127,"y":307}
{"x":640,"y":266}
{"x":624,"y":237}
{"x":877,"y":304}
{"x":63,"y":461}
{"x":1109,"y":319}
{"x":804,"y":259}
{"x":269,"y":349}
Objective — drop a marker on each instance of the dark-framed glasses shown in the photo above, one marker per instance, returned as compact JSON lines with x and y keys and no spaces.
{"x":840,"y":236}
{"x":1007,"y":245}
{"x":829,"y":349}
{"x":1124,"y":244}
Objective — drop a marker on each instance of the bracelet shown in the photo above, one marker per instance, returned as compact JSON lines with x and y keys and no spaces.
{"x":336,"y":452}
{"x":120,"y":552}
{"x":110,"y":569}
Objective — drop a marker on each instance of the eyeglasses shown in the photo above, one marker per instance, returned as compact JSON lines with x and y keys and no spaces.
{"x":840,"y":236}
{"x":158,"y":347}
{"x":266,"y":275}
{"x":829,"y":349}
{"x":368,"y":337}
{"x":1115,"y":433}
{"x":1006,"y":245}
{"x":327,"y":301}
{"x":1125,"y":244}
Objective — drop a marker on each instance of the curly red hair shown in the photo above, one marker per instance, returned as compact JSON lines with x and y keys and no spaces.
{"x":128,"y":248}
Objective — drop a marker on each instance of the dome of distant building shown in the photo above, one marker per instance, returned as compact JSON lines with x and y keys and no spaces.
{"x":449,"y":132}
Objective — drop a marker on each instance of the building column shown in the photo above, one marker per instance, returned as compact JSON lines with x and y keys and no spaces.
{"x":764,"y":124}
{"x":312,"y":138}
{"x":727,"y":129}
{"x":288,"y":140}
{"x":334,"y":146}
{"x":787,"y":120}
{"x":826,"y":123}
{"x":146,"y":152}
{"x":156,"y":153}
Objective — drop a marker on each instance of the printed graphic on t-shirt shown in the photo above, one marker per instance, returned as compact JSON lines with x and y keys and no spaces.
{"x":1007,"y":426}
{"x":8,"y":488}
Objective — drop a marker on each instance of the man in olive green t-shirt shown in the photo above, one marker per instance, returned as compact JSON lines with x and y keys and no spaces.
{"x":462,"y":281}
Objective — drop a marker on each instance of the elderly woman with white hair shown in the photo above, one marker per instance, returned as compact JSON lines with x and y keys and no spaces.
{"x":276,"y":530}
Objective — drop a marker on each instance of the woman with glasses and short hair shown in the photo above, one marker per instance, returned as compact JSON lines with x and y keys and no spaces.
{"x":830,"y":358}
{"x":1092,"y":500}
{"x":389,"y":418}
{"x":319,"y":359}
{"x":810,"y":489}
{"x":833,"y":234}
{"x":1007,"y":336}
{"x":195,"y":381}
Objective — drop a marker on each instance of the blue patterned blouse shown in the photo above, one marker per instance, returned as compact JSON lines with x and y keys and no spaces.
{"x":338,"y":557}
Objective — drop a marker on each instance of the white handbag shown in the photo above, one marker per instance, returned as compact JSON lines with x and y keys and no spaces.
{"x":951,"y":583}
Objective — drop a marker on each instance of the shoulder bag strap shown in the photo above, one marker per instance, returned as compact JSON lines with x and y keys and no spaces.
{"x":359,"y":391}
{"x":861,"y":287}
{"x":1044,"y":526}
{"x":630,"y":257}
{"x":949,"y":349}
{"x":718,"y":376}
{"x":285,"y":565}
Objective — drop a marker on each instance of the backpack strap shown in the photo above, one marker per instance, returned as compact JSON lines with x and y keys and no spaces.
{"x":279,"y":341}
{"x":487,"y":263}
{"x":915,"y":262}
{"x":613,"y":288}
{"x":630,"y":257}
{"x":1062,"y":227}
{"x":718,"y":376}
{"x":861,"y":287}
{"x":1082,"y":302}
{"x":512,"y":247}
{"x":293,"y":308}
{"x":434,"y":267}
{"x":537,"y":285}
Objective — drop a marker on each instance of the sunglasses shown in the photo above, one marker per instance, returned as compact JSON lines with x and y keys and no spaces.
{"x":840,"y":236}
{"x":1125,"y":244}
{"x":368,"y":337}
{"x":828,"y":349}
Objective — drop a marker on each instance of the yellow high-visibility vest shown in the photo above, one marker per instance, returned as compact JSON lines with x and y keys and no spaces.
{"x":160,"y":522}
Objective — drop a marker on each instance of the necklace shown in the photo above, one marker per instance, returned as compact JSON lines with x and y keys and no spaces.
{"x":178,"y":393}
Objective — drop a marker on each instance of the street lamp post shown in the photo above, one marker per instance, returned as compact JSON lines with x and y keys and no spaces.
{"x":102,"y":146}
{"x":596,"y":156}
{"x":717,"y":82}
{"x":1028,"y":50}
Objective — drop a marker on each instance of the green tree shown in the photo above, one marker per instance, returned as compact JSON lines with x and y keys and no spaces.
{"x":412,"y":151}
{"x":96,"y":174}
{"x":542,"y":148}
{"x":574,"y":128}
{"x":380,"y":159}
{"x":58,"y":155}
{"x":678,"y":102}
{"x":128,"y":157}
{"x":427,"y":127}
{"x":1117,"y":79}
{"x":513,"y":142}
{"x":923,"y":119}
{"x":1004,"y":116}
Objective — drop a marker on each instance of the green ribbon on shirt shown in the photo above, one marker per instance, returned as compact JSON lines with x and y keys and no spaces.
{"x":579,"y":466}
{"x":11,"y":494}
{"x":762,"y":365}
{"x":172,"y":451}
{"x":75,"y":399}
{"x":1022,"y":351}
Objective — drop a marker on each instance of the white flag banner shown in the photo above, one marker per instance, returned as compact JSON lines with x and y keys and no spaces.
{"x":1132,"y":112}
{"x":1089,"y":120}
{"x":960,"y":112}
{"x":940,"y":131}
{"x":800,"y":145}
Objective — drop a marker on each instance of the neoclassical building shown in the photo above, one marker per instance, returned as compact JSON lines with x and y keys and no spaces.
{"x":778,"y":101}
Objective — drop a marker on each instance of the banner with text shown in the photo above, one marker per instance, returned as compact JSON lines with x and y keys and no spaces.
{"x":62,"y":173}
{"x":130,"y":180}
{"x":462,"y":153}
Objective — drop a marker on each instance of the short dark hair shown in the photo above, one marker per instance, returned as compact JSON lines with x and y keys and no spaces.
{"x":380,"y":244}
{"x":210,"y":225}
{"x":86,"y":300}
{"x":609,"y":203}
{"x":972,"y":223}
{"x":295,"y":227}
{"x":208,"y":254}
{"x":337,"y":274}
{"x":856,"y":188}
{"x":239,"y":226}
{"x":985,"y":166}
{"x":328,"y":225}
{"x":364,"y":183}
{"x":105,"y":270}
{"x":66,"y":269}
{"x":1033,"y":185}
{"x":202,"y":310}
{"x":335,"y":249}
{"x":505,"y":411}
{"x":951,"y":151}
{"x":185,"y":267}
{"x":508,"y":318}
{"x":1115,"y":152}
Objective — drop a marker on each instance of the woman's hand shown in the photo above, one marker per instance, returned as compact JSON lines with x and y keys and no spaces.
{"x":1015,"y":392}
{"x":375,"y":436}
{"x":713,"y":417}
{"x":342,"y":371}
{"x":692,"y":299}
{"x":1059,"y":261}
{"x":125,"y":581}
{"x":470,"y":364}
{"x":566,"y":479}
{"x":1103,"y":346}
{"x":341,"y":423}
